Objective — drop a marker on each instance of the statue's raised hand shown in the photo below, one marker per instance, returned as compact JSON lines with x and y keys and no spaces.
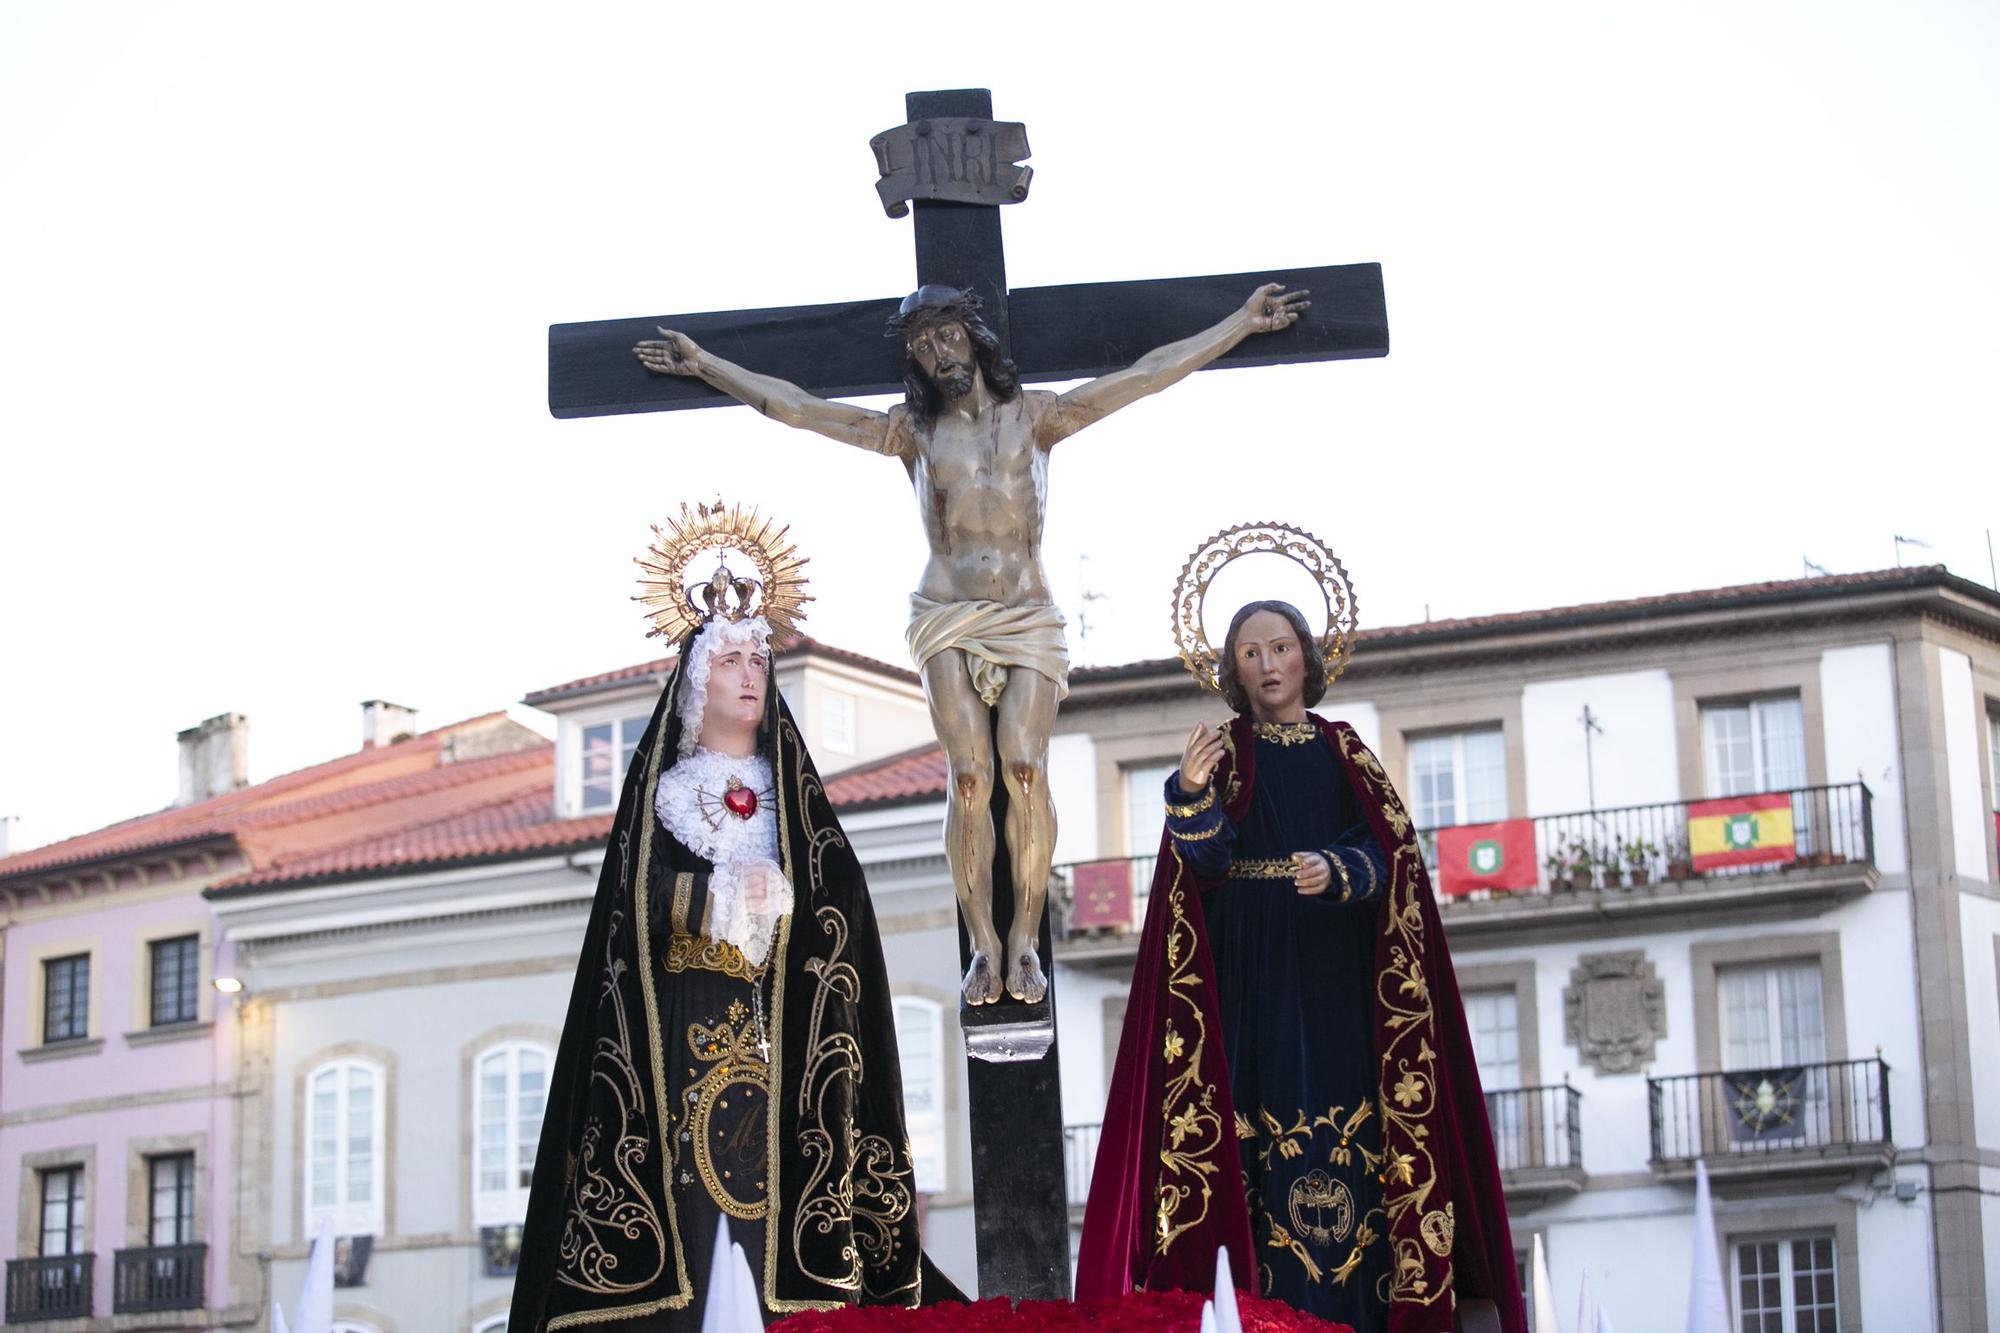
{"x":1271,"y":307}
{"x":672,"y":354}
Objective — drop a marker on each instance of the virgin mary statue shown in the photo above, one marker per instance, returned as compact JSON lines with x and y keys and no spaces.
{"x":730,"y":1051}
{"x":1294,"y":1082}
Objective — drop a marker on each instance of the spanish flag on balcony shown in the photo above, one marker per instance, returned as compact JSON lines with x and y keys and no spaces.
{"x":1486,"y":856}
{"x":1741,"y":831}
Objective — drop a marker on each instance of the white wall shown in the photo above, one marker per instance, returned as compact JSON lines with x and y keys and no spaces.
{"x":1858,"y":698}
{"x":1962,"y":740}
{"x":1073,"y":784}
{"x":1979,"y":924}
{"x":1360,"y":715}
{"x":1635,"y":757}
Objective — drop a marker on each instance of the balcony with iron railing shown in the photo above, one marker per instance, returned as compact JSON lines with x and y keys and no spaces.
{"x":1537,"y":1140}
{"x":1591,"y":866}
{"x":158,"y":1277}
{"x":1807,"y":1119}
{"x":52,"y":1288}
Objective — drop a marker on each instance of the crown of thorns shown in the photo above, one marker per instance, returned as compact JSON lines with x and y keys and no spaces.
{"x":930,"y":304}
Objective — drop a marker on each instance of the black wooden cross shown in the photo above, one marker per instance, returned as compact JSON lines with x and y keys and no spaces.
{"x":1053,"y":333}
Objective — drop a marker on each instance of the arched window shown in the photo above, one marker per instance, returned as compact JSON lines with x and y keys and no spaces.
{"x":344,"y":1119}
{"x":920,"y":1043}
{"x":510,"y":1086}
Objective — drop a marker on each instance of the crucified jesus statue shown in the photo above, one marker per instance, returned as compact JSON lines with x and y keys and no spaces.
{"x":984,"y":632}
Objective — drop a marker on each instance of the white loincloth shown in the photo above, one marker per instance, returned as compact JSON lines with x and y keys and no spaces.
{"x":993,"y":638}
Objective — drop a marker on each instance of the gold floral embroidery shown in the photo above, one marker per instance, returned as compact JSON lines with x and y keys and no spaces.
{"x":1191,"y":1138}
{"x":1201,"y":835}
{"x":1339,"y":864}
{"x":1286,"y":734}
{"x":1174,"y":1044}
{"x":699,"y":951}
{"x":1282,"y":1239}
{"x":1264,"y":867}
{"x":1193,"y":808}
{"x":737,"y":1069}
{"x":1408,"y":1170}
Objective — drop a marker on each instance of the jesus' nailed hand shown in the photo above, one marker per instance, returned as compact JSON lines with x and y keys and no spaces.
{"x":975,"y":446}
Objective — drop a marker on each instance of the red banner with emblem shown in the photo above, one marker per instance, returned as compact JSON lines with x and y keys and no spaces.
{"x":1101,"y":895}
{"x":1486,"y":856}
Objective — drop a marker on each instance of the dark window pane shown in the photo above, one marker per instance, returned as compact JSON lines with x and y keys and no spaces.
{"x":176,"y":972}
{"x":172,"y":1179}
{"x":66,"y":998}
{"x":600,"y":757}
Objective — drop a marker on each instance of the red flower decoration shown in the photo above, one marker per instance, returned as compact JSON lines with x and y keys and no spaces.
{"x":1174,"y":1311}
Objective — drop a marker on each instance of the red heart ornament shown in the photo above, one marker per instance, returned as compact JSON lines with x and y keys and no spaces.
{"x":742,"y":802}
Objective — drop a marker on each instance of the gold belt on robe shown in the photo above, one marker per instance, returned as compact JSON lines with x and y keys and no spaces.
{"x":1264,"y":867}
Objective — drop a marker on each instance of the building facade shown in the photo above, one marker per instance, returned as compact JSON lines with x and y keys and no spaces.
{"x":120,"y":1093}
{"x":1806,"y":1015}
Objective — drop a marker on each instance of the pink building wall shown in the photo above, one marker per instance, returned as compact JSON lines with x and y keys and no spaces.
{"x":123,"y":1092}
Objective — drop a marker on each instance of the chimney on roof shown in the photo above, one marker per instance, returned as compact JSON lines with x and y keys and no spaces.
{"x":6,"y":834}
{"x":215,"y":758}
{"x":384,"y":723}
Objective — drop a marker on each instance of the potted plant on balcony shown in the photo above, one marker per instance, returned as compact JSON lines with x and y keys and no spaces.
{"x":1638,"y":854}
{"x":1581,"y":864}
{"x":1679,"y":864}
{"x":1559,"y":868}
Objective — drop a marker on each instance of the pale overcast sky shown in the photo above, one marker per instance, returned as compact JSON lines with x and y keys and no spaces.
{"x":1680,"y":295}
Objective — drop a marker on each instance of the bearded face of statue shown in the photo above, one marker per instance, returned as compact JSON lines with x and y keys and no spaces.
{"x":944,"y":352}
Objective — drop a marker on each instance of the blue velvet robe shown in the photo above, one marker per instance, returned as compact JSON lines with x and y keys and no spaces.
{"x":1294,"y":979}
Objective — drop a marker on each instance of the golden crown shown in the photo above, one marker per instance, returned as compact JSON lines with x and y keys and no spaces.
{"x":1336,"y":643}
{"x":676,"y":604}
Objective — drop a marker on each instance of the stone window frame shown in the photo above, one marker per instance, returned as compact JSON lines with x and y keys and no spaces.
{"x":957,"y":1169}
{"x":142,"y":976}
{"x":1790,"y":1222}
{"x":469,"y":1055}
{"x":1519,"y":977}
{"x":1112,"y":757}
{"x":1707,"y":957}
{"x":139,"y":1186}
{"x":1777,"y":675}
{"x":384,"y":1061}
{"x":28,"y":1242}
{"x":39,"y":958}
{"x":1470,"y":707}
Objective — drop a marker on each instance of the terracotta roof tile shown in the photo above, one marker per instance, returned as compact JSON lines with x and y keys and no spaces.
{"x":295,"y":808}
{"x":1776,"y":591}
{"x":914,"y":774}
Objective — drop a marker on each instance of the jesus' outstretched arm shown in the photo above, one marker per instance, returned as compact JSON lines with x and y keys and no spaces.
{"x":781,"y":400}
{"x":1269,"y":309}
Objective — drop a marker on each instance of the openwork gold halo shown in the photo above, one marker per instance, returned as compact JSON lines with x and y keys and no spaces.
{"x":1201,"y":659}
{"x":677,"y":605}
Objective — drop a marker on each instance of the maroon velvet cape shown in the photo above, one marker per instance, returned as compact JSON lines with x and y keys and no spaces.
{"x":1168,"y":1186}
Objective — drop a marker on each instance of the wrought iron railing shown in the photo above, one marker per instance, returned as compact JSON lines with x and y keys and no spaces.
{"x":1631,"y":846}
{"x":1536,"y":1129}
{"x":1804,"y":1108}
{"x":1079,"y":1156}
{"x":55,"y":1288}
{"x":1083,"y":890}
{"x":158,"y":1277}
{"x":1626,"y":847}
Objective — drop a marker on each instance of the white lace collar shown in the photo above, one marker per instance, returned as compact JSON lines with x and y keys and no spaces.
{"x":689,"y":801}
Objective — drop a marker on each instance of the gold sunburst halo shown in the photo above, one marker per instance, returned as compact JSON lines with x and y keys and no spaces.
{"x":1336,"y":642}
{"x":778,"y":593}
